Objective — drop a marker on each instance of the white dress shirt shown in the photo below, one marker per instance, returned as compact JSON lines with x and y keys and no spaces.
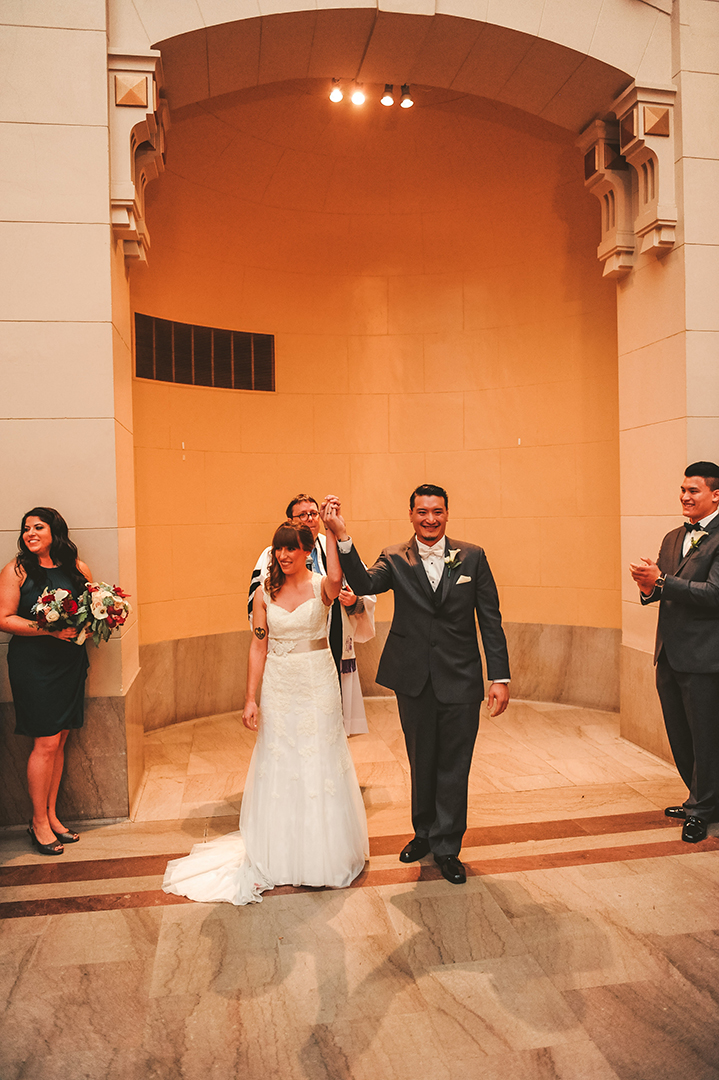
{"x":687,"y":543}
{"x":432,"y":560}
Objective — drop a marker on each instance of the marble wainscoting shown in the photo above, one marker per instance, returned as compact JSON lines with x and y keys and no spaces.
{"x":104,"y":762}
{"x":205,"y":676}
{"x":641,"y":719}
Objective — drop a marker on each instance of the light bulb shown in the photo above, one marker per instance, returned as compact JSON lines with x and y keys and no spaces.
{"x":406,"y":101}
{"x":357,"y":96}
{"x":387,"y":98}
{"x":335,"y":93}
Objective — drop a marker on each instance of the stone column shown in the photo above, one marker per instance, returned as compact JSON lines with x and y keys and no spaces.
{"x":66,"y":427}
{"x":668,"y":325}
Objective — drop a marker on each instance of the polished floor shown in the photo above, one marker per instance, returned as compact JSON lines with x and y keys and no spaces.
{"x":584,"y":946}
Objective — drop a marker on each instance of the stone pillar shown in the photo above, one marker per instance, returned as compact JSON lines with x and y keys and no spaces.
{"x":668,"y":327}
{"x":66,"y":428}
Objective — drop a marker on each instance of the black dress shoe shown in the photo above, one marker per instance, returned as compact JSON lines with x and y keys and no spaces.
{"x":675,"y":812}
{"x":415,"y":849}
{"x":694,"y":830}
{"x":452,"y":869}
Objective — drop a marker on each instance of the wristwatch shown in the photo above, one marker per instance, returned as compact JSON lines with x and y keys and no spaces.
{"x":659,"y":583}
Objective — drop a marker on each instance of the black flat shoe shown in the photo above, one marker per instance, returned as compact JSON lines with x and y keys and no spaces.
{"x":67,"y":837}
{"x":45,"y":849}
{"x":694,"y":830}
{"x":452,"y":869}
{"x":415,"y":849}
{"x":675,"y":812}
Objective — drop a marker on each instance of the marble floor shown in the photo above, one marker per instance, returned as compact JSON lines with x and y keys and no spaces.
{"x":584,"y":946}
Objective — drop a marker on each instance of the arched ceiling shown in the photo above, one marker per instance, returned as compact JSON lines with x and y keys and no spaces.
{"x":563,"y":86}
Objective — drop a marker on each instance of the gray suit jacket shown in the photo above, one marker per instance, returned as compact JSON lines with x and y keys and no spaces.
{"x":433,"y":634}
{"x":688,"y":624}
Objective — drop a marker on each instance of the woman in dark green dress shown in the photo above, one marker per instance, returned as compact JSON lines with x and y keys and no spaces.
{"x":47,"y":669}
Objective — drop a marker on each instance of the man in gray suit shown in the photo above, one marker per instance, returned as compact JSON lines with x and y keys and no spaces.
{"x":685,"y":581}
{"x":431,"y":660}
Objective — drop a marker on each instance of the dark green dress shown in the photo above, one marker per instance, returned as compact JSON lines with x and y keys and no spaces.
{"x":47,"y":675}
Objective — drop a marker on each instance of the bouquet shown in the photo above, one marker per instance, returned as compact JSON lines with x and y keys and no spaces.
{"x":106,"y":607}
{"x":56,"y":609}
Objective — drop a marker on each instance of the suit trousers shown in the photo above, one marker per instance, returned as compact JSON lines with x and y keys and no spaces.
{"x":440,"y":740}
{"x":690,"y":704}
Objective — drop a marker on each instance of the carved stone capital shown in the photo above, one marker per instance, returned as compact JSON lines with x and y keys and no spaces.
{"x":607,"y":176}
{"x":139,"y":118}
{"x":646,"y":139}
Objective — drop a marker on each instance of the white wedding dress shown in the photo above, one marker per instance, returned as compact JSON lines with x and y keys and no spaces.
{"x":302,"y":820}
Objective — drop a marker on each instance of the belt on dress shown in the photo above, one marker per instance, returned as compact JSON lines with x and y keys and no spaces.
{"x":281,"y":648}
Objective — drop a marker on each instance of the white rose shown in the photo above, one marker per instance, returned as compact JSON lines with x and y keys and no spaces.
{"x":60,"y":594}
{"x":52,"y":616}
{"x":99,"y":611}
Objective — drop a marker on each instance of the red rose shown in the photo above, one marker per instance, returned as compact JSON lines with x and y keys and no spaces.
{"x":48,"y":598}
{"x":69,"y":605}
{"x":110,"y":622}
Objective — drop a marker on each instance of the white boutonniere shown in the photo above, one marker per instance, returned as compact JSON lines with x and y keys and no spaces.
{"x":697,"y":539}
{"x":452,"y":559}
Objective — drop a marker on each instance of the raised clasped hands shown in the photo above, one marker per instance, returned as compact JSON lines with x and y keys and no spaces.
{"x":645,"y":573}
{"x":332,"y":517}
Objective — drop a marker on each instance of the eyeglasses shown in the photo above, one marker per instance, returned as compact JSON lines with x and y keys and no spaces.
{"x":306,"y":515}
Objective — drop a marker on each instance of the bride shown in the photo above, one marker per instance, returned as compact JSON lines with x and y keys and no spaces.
{"x":302,"y":820}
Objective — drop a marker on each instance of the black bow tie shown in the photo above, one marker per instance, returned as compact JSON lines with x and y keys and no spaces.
{"x":691,"y":527}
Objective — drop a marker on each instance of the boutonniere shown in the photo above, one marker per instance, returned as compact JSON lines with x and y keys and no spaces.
{"x":452,"y":559}
{"x":697,"y":539}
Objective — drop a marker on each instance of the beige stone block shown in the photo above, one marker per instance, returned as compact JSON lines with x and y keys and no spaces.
{"x":699,"y":37}
{"x":170,"y":487}
{"x":55,"y":273}
{"x":168,"y":18}
{"x":384,"y":482}
{"x":516,"y":14}
{"x":659,"y":451}
{"x":104,"y":678}
{"x":226,"y":11}
{"x":369,"y":307}
{"x":699,"y":119}
{"x":514,"y":555}
{"x":598,"y":478}
{"x":623,"y":48}
{"x":382,"y":244}
{"x":653,"y":383}
{"x":546,"y":475}
{"x":204,"y":418}
{"x":154,"y":564}
{"x":425,"y":422}
{"x":386,"y":364}
{"x":470,"y":478}
{"x":702,"y":437}
{"x":641,"y":719}
{"x":535,"y":604}
{"x":56,"y":369}
{"x":125,"y":30}
{"x":122,"y":360}
{"x":639,"y":626}
{"x":319,"y":362}
{"x":464,"y":9}
{"x":98,"y":547}
{"x":596,"y":540}
{"x":656,"y":67}
{"x":641,"y":538}
{"x":72,"y":15}
{"x":125,"y":476}
{"x":64,"y":84}
{"x":53,"y":172}
{"x":702,"y":282}
{"x":361,"y":423}
{"x":651,"y":302}
{"x":69,"y":464}
{"x":700,"y":183}
{"x":151,"y":414}
{"x":429,"y":303}
{"x":570,"y":24}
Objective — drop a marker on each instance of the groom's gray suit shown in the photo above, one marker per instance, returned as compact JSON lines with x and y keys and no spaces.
{"x":431,"y":660}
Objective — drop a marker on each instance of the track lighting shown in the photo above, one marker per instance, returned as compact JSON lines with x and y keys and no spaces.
{"x":387,"y":98}
{"x":336,"y":93}
{"x":358,"y":95}
{"x":405,"y":101}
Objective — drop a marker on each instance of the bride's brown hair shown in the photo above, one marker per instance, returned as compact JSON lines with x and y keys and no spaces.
{"x":288,"y":535}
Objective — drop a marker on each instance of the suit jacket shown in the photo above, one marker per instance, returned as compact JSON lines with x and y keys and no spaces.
{"x":688,"y":624}
{"x":433,"y":634}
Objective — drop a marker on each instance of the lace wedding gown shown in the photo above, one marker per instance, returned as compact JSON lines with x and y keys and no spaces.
{"x":302,"y":820}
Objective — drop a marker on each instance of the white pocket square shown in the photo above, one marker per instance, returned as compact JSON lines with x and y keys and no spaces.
{"x":463,"y":580}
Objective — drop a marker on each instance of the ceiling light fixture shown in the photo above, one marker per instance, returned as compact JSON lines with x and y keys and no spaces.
{"x":358,"y":95}
{"x":336,"y":93}
{"x":387,"y":98}
{"x":406,"y":101}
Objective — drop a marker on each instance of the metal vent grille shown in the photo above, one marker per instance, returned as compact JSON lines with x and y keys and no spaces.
{"x":203,"y":355}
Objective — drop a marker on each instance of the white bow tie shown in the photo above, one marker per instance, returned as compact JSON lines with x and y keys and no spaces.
{"x":429,"y":552}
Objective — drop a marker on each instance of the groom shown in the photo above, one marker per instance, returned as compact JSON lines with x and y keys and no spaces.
{"x":431,"y":660}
